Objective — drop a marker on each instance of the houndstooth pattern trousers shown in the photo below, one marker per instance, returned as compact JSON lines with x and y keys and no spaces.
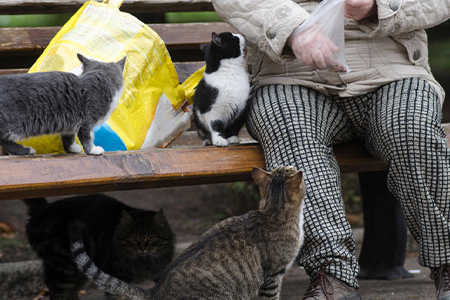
{"x":399,"y":123}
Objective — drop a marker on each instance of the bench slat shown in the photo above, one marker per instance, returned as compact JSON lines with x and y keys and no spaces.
{"x":26,"y":40}
{"x":44,"y":175}
{"x":13,"y":7}
{"x":51,"y":175}
{"x":184,"y":69}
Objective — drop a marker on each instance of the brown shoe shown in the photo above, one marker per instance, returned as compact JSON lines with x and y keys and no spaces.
{"x":441,"y":277}
{"x":327,"y":287}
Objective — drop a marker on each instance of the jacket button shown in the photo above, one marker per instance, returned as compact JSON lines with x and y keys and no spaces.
{"x":394,"y":5}
{"x":271,"y":34}
{"x":416,"y":55}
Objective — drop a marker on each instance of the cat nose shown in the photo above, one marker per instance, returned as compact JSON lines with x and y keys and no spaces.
{"x":141,"y":247}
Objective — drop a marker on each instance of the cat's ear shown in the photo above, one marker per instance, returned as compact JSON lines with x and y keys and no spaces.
{"x":204,"y":47}
{"x":122,"y":62}
{"x":296,"y":190}
{"x":262,"y":178}
{"x":83,"y":59}
{"x":216,"y":40}
{"x":160,"y":218}
{"x":297,"y":178}
{"x":160,"y":214}
{"x":125,"y":218}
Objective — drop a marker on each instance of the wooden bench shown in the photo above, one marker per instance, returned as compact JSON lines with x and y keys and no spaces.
{"x":185,"y":162}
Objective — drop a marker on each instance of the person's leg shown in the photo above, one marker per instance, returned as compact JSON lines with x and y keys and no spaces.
{"x":297,"y":126}
{"x":404,"y":130}
{"x":385,"y":235}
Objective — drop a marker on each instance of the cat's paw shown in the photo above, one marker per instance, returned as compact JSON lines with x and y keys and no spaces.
{"x":75,"y":148}
{"x":207,"y":142}
{"x":220,"y":142}
{"x":96,"y":150}
{"x":30,"y":150}
{"x":233,"y":140}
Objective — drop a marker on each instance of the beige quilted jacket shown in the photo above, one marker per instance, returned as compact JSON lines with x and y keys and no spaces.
{"x":379,"y":50}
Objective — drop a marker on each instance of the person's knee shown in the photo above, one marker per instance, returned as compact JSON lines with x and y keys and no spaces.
{"x":411,"y":135}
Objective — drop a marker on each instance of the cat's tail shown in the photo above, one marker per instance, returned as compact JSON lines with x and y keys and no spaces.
{"x":35,"y":205}
{"x":103,"y":280}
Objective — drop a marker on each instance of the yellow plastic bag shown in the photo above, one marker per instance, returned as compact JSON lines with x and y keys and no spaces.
{"x":152,"y":110}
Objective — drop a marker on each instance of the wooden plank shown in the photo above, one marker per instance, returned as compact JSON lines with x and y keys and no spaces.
{"x":44,"y":175}
{"x":13,"y":7}
{"x":26,"y":40}
{"x":184,"y":69}
{"x":50,"y":175}
{"x":12,"y":71}
{"x":184,"y":164}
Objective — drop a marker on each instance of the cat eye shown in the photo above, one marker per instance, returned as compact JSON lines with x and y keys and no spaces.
{"x":133,"y":240}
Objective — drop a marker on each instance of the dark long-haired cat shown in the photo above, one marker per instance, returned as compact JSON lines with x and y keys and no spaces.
{"x":221,"y":96}
{"x":239,"y":258}
{"x":59,"y":102}
{"x":133,"y":244}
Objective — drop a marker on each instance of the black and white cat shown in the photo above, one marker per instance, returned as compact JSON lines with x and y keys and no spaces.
{"x":221,"y":96}
{"x":35,"y":104}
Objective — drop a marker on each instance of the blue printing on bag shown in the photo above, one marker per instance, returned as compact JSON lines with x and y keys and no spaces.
{"x":107,"y":138}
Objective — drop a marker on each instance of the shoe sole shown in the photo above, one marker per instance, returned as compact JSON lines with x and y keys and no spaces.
{"x":353,"y":296}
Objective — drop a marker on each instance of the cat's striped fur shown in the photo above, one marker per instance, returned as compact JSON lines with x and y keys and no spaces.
{"x":239,"y":258}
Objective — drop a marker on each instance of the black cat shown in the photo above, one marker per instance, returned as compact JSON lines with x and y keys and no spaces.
{"x":133,"y":244}
{"x":221,"y":96}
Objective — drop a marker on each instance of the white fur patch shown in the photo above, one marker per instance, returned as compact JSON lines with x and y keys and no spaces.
{"x":207,"y":142}
{"x":14,"y":137}
{"x":233,"y":140}
{"x":97,"y":150}
{"x":32,"y":151}
{"x":112,"y":106}
{"x":75,"y":148}
{"x":218,"y":141}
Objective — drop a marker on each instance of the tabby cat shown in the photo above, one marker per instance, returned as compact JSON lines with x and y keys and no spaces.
{"x":129,"y":243}
{"x":35,"y":104}
{"x":239,"y":258}
{"x":221,"y":97}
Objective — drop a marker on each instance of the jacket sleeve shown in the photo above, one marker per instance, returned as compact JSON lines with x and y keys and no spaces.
{"x":267,"y":24}
{"x":396,"y":17}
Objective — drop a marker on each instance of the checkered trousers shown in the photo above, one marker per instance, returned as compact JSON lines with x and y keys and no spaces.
{"x":399,"y":123}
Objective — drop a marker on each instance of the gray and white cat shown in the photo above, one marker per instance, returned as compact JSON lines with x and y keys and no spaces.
{"x":221,"y":96}
{"x":241,"y":257}
{"x":35,"y":104}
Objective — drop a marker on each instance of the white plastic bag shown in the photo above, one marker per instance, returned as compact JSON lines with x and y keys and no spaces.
{"x":324,"y":30}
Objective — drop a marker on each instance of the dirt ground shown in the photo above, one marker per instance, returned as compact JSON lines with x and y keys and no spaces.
{"x":192,"y":210}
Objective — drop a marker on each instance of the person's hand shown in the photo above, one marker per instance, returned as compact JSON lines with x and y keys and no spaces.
{"x":311,"y":47}
{"x":360,"y":9}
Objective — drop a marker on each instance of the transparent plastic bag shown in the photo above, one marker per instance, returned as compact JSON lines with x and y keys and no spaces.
{"x":325,"y":26}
